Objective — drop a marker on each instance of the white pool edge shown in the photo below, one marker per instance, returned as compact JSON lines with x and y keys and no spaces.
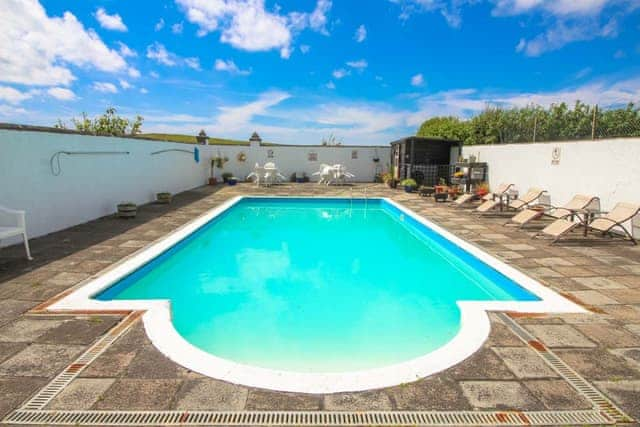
{"x":474,"y":324}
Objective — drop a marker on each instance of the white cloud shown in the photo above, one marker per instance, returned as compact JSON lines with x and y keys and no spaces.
{"x":143,"y":91}
{"x":361,"y":34}
{"x":61,"y":93}
{"x":465,"y":102}
{"x":133,"y":73}
{"x":239,"y":117}
{"x":247,"y":25}
{"x":177,"y":28}
{"x":12,"y":95}
{"x":451,"y":10}
{"x":619,"y":54}
{"x":126,"y":51}
{"x":583,"y":73}
{"x":43,"y":47}
{"x":105,"y":87}
{"x":359,"y":64}
{"x":193,"y":62}
{"x":417,"y":80}
{"x":110,"y":22}
{"x":340,"y":73}
{"x":159,"y":53}
{"x":305,"y":48}
{"x":230,"y":67}
{"x":125,"y":84}
{"x":330,"y":85}
{"x":159,"y":25}
{"x":154,"y":75}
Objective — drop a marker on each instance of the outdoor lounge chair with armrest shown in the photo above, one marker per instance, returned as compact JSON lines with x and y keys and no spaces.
{"x":621,"y":213}
{"x":13,"y":223}
{"x":491,"y":200}
{"x":579,"y":201}
{"x":530,"y":198}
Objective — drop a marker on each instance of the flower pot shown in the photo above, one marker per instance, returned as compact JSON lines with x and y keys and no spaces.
{"x":300,"y":180}
{"x":392,"y":184}
{"x":409,"y":188}
{"x":163,"y":198}
{"x":213,"y":181}
{"x":127,"y":210}
{"x":232,"y":181}
{"x":440,"y":197}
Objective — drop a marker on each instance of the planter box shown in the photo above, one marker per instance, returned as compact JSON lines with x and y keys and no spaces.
{"x":127,"y":210}
{"x":232,"y":181}
{"x":164,"y":198}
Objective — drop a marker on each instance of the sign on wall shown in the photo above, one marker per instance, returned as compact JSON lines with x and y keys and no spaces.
{"x":555,"y":156}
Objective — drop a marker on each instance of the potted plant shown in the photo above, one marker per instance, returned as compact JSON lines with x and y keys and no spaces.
{"x":388,"y":179}
{"x":409,"y":184}
{"x":212,"y":177}
{"x":232,"y":180}
{"x":292,"y":177}
{"x":226,"y":176}
{"x":482,"y":189}
{"x":127,"y":210}
{"x":163,"y":198}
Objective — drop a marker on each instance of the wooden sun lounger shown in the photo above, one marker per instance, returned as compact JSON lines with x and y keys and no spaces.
{"x":527,"y":200}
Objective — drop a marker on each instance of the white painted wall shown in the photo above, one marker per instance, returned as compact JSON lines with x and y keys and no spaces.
{"x":91,"y":186}
{"x":609,"y":169}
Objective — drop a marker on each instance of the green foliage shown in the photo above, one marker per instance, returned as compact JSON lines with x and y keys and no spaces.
{"x":107,"y":124}
{"x":409,"y":182}
{"x":445,"y":127}
{"x":559,"y":122}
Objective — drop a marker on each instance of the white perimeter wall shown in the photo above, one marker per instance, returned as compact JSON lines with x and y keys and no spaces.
{"x":91,"y":186}
{"x":609,"y":169}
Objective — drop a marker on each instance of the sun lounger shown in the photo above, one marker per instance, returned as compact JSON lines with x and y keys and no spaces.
{"x":491,"y":200}
{"x":579,"y":201}
{"x":604,"y":224}
{"x":525,"y":201}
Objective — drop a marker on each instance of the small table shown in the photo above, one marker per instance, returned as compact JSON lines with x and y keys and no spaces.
{"x":587,"y":217}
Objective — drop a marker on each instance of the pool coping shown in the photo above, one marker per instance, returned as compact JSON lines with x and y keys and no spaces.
{"x":474,"y":324}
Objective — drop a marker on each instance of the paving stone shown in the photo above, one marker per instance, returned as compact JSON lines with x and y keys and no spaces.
{"x":609,"y":335}
{"x":629,"y":281}
{"x":433,"y":393}
{"x":625,"y":393}
{"x":519,"y":247}
{"x":593,"y":298}
{"x":631,"y":355}
{"x":625,"y":296}
{"x":150,"y":363}
{"x":80,"y":331}
{"x":509,"y":255}
{"x":375,"y":400}
{"x":27,"y":329}
{"x":556,"y":394}
{"x":550,"y":262}
{"x":484,"y":364}
{"x":212,"y":395}
{"x":14,"y":391}
{"x":577,"y":271}
{"x":501,"y":395}
{"x":10,"y":309}
{"x":559,"y":336}
{"x":111,"y":363}
{"x":623,"y":312}
{"x":598,"y":364}
{"x":635,"y":269}
{"x":599,"y":283}
{"x":280,"y":401}
{"x":544,"y":272}
{"x":81,"y":394}
{"x":8,"y":349}
{"x":40,"y":360}
{"x":524,"y":362}
{"x":501,"y":335}
{"x":36,"y":291}
{"x":139,"y":394}
{"x":66,"y":279}
{"x":634,"y":327}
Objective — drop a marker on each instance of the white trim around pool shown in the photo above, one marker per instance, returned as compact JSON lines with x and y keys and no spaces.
{"x":474,"y":323}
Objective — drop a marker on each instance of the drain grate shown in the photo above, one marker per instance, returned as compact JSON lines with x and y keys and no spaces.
{"x":56,"y":385}
{"x":599,"y":401}
{"x":280,"y":418}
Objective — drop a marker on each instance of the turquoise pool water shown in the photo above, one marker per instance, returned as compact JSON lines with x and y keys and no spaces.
{"x":316,"y":285}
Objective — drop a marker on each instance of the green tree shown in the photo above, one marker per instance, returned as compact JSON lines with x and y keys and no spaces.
{"x":107,"y":124}
{"x":445,"y":127}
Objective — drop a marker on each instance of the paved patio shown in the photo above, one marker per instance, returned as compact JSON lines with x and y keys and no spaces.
{"x":507,"y":374}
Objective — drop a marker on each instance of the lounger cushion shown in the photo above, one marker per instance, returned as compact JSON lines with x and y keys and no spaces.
{"x":525,"y":216}
{"x":463,"y":199}
{"x":487,"y":206}
{"x":559,"y":227}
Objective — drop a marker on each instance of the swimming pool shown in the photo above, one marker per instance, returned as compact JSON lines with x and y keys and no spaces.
{"x":316,"y":294}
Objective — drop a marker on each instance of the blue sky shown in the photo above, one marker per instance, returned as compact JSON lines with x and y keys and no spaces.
{"x":299,"y":70}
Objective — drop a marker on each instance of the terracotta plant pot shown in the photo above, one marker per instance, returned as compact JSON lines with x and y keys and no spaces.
{"x":213,"y":181}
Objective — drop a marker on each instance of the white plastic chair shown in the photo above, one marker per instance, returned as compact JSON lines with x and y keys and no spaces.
{"x":12,"y":223}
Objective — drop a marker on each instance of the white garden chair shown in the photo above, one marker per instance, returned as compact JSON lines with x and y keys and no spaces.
{"x":12,"y":223}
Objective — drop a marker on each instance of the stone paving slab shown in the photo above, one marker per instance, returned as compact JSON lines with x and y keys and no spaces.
{"x":504,"y":374}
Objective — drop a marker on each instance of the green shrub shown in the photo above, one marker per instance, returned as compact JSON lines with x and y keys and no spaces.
{"x":408,"y":182}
